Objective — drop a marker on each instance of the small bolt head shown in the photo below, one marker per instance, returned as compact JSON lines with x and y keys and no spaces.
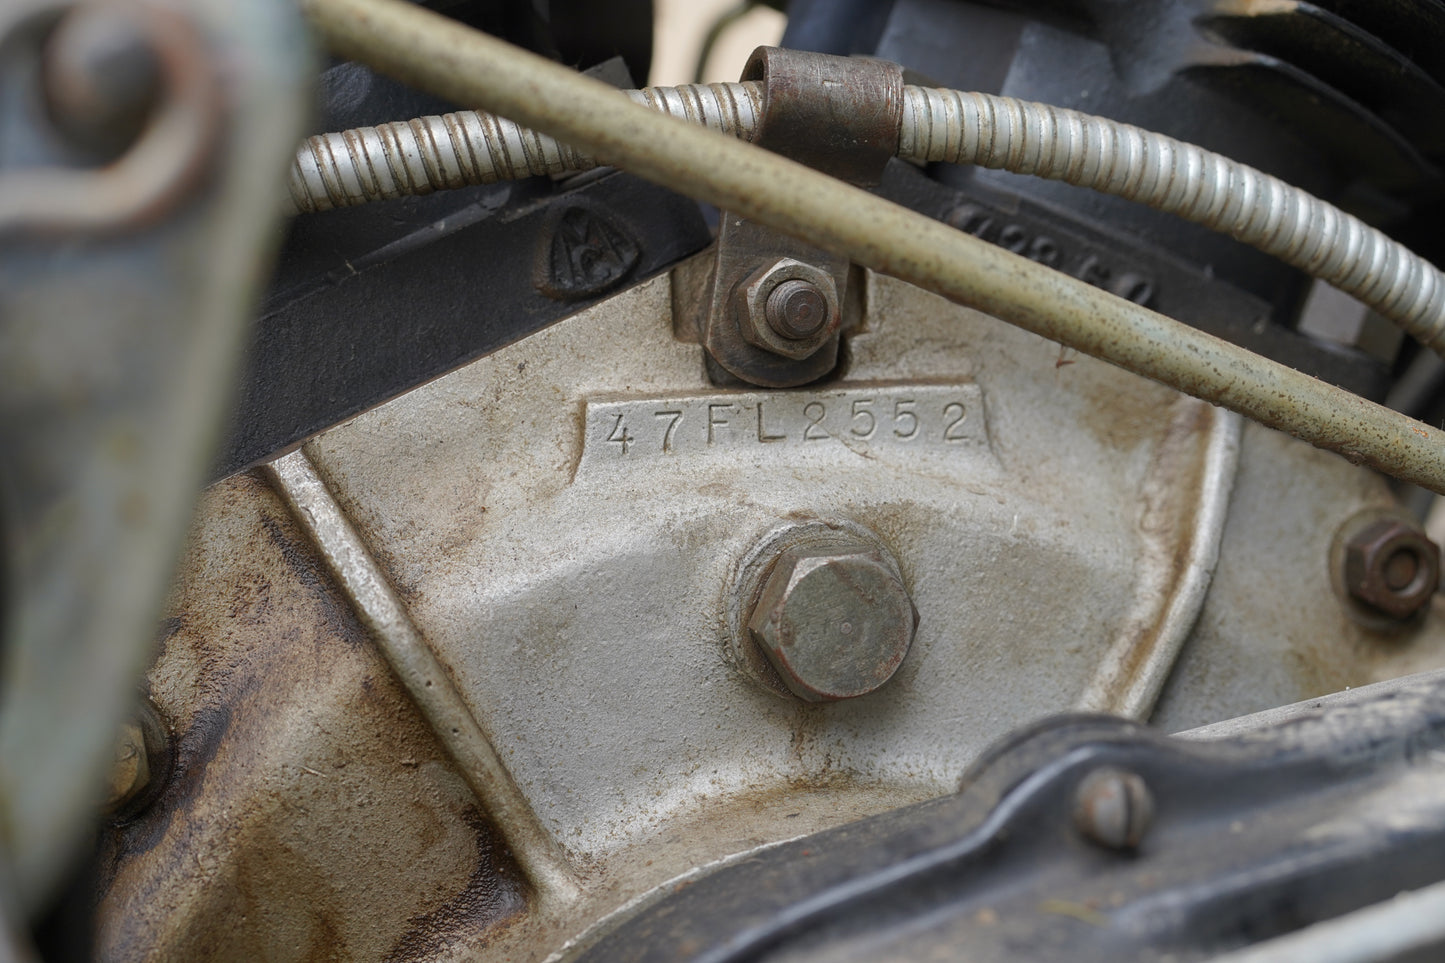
{"x":1392,"y":567}
{"x":789,"y":308}
{"x":835,"y":624}
{"x":1113,"y":808}
{"x":130,"y":771}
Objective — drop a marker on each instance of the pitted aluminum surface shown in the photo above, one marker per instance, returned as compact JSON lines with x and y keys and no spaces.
{"x":566,"y":521}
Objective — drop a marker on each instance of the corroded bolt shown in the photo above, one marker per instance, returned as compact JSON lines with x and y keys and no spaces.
{"x":1113,"y":807}
{"x":796,"y":309}
{"x":835,"y":624}
{"x":789,"y":308}
{"x":1391,"y":566}
{"x":130,"y":771}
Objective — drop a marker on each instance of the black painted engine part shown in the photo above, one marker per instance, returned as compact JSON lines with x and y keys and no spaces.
{"x":369,"y":302}
{"x":1340,"y":97}
{"x":1089,"y":838}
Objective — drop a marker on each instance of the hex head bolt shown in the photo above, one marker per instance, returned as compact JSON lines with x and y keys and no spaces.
{"x":1392,"y":567}
{"x":835,"y":624}
{"x":789,"y":308}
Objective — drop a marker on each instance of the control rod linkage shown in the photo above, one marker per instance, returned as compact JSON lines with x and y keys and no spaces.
{"x":439,"y":55}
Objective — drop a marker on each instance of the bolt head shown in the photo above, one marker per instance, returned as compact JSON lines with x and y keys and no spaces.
{"x":835,"y":625}
{"x":1113,"y":808}
{"x":130,"y":771}
{"x":1392,"y":567}
{"x":789,"y":308}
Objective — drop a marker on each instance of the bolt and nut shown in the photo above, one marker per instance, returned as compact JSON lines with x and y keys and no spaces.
{"x":1113,"y":808}
{"x":789,"y":308}
{"x":1392,"y":567}
{"x":835,"y":623}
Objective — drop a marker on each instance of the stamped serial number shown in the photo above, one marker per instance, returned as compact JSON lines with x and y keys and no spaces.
{"x":858,"y":417}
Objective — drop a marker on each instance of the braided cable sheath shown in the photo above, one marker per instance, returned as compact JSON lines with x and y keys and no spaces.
{"x":468,"y":147}
{"x":1185,"y":180}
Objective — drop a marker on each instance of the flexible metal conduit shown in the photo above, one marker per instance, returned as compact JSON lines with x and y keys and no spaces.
{"x":430,"y":51}
{"x":1182,"y":179}
{"x":409,"y":157}
{"x":469,"y":147}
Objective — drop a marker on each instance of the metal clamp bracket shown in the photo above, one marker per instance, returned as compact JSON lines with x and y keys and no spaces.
{"x":776,"y":305}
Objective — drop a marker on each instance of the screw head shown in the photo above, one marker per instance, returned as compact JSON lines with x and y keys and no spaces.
{"x":1392,"y":567}
{"x":1113,"y":808}
{"x":835,"y":624}
{"x":789,"y":308}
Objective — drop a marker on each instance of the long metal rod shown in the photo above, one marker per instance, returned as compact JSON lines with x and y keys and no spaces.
{"x":1406,"y":927}
{"x":440,"y":55}
{"x":424,"y":677}
{"x":412,"y":157}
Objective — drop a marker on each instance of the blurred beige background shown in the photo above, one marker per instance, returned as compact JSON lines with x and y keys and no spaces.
{"x":682,"y":26}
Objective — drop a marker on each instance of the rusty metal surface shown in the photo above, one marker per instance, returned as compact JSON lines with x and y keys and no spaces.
{"x":1277,"y":625}
{"x":582,"y":603}
{"x":789,"y":308}
{"x":416,"y":666}
{"x":602,"y":568}
{"x":836,"y":114}
{"x":432,"y":52}
{"x":1392,"y":566}
{"x":578,"y":566}
{"x":842,"y":115}
{"x":311,"y":813}
{"x":835,"y":620}
{"x":746,"y":255}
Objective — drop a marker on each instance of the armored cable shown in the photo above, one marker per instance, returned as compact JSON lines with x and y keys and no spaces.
{"x":470,"y":147}
{"x":410,"y":157}
{"x":440,"y":55}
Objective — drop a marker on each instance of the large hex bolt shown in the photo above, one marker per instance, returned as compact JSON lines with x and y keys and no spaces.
{"x":789,"y":308}
{"x":835,"y":623}
{"x":1392,"y":567}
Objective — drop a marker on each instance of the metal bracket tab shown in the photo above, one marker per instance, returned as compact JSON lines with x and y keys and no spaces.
{"x":775,"y":307}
